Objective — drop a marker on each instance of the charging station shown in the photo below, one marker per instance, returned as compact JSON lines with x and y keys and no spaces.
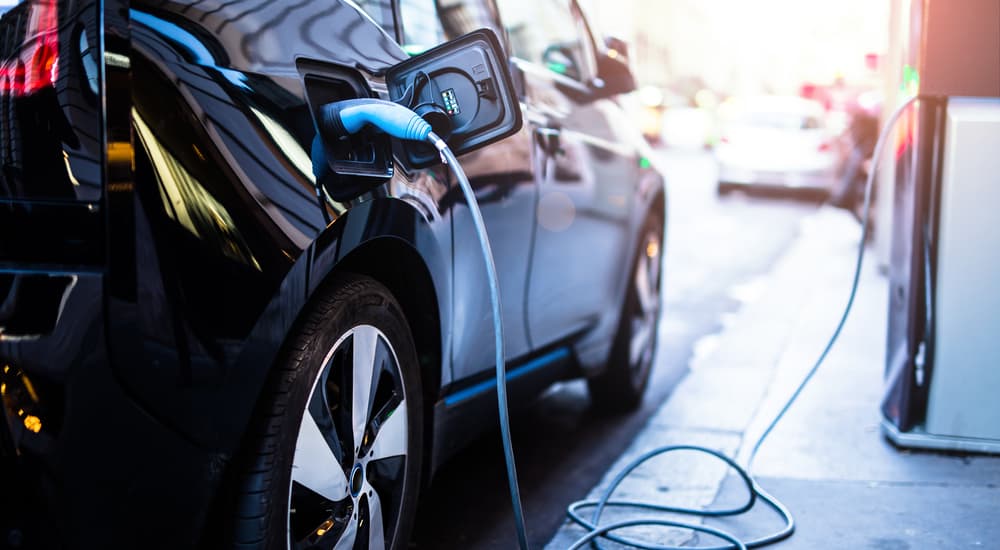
{"x":943,"y":356}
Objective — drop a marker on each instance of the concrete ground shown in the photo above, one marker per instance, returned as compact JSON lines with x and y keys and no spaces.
{"x":828,"y":460}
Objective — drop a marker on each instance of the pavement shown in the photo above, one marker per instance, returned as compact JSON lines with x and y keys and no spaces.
{"x":828,"y":461}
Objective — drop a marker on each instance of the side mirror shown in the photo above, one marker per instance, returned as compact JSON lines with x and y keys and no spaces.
{"x":558,"y":58}
{"x":613,"y":72}
{"x":464,"y":89}
{"x":617,"y":45}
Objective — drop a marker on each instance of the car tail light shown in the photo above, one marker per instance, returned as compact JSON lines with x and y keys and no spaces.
{"x":37,"y":64}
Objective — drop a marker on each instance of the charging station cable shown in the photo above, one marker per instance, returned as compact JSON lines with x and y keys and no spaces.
{"x":501,"y":369}
{"x":350,"y":116}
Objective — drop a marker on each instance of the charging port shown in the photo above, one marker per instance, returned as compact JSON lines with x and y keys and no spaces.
{"x":354,"y":163}
{"x":463,"y":89}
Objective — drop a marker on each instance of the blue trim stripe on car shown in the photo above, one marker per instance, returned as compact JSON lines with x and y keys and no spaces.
{"x":517,"y":372}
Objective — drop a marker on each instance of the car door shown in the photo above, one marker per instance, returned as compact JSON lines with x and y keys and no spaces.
{"x":502,"y":176}
{"x":587,"y":177}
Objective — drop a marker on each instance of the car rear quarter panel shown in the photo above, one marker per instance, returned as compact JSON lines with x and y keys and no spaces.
{"x":216,"y":242}
{"x":225,"y":205}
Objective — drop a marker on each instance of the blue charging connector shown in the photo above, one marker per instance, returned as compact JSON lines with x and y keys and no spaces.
{"x":351,"y":115}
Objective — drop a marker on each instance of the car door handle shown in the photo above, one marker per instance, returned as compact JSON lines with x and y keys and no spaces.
{"x":548,"y":139}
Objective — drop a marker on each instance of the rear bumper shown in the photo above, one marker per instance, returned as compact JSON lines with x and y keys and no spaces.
{"x":97,"y":470}
{"x":806,"y":179}
{"x":112,"y":477}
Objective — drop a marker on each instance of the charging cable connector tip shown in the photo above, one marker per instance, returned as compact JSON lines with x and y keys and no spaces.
{"x":440,"y":145}
{"x":349,"y":116}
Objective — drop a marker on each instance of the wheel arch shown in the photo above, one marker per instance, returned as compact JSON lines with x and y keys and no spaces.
{"x":658,"y":203}
{"x":410,"y":282}
{"x":653,"y":186}
{"x":651,"y":198}
{"x":392,"y":242}
{"x":593,"y":349}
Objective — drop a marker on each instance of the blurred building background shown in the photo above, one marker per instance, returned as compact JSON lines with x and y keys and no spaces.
{"x":689,"y":56}
{"x":734,"y":47}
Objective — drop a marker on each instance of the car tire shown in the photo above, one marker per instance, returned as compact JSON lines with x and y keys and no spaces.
{"x":316,"y":473}
{"x":621,"y":386}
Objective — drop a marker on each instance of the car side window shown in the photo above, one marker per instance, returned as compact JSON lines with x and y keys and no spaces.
{"x":549,"y":33}
{"x":427,"y":23}
{"x":422,"y":29}
{"x":380,"y":11}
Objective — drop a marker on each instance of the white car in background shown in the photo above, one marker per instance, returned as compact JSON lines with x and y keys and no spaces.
{"x":777,"y":142}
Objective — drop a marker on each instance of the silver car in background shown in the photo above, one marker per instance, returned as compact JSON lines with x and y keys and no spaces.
{"x":777,"y":142}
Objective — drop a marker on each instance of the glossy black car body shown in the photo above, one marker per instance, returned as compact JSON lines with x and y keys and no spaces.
{"x":162,"y":227}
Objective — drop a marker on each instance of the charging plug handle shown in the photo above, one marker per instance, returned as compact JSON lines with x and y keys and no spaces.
{"x":349,"y":116}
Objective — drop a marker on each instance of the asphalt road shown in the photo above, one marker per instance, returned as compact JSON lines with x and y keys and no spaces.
{"x":716,"y":249}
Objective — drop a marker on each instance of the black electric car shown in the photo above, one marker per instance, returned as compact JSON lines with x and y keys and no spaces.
{"x":220,"y":326}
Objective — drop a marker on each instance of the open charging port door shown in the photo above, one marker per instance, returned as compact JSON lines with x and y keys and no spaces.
{"x":463,"y":88}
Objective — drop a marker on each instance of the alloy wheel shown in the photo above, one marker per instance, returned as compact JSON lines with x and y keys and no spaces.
{"x":350,"y":457}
